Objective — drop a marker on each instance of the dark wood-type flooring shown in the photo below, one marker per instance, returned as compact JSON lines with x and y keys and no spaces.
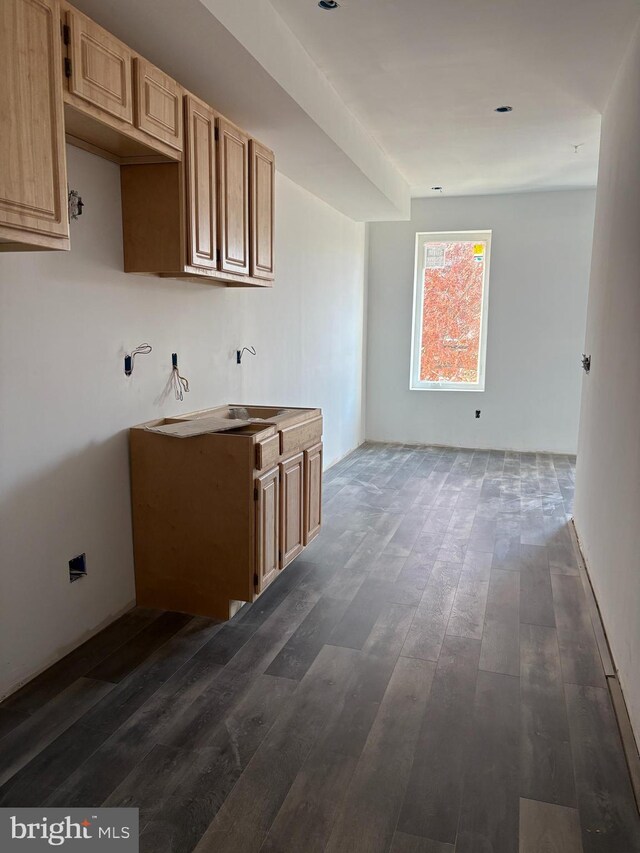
{"x":423,"y":679}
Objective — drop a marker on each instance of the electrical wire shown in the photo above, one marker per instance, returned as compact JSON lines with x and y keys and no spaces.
{"x":129,"y":359}
{"x":241,"y":352}
{"x":180,"y":383}
{"x":143,"y":349}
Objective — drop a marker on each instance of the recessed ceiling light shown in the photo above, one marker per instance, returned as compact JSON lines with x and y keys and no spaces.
{"x":505,"y":109}
{"x":328,"y":4}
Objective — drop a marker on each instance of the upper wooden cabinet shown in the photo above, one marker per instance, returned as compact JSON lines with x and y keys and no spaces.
{"x":197,"y":226}
{"x":99,"y":67}
{"x":261,"y":209}
{"x":33,"y":177}
{"x":202,"y":198}
{"x":117,"y":104}
{"x":158,"y":100}
{"x":233,"y":177}
{"x":197,"y":193}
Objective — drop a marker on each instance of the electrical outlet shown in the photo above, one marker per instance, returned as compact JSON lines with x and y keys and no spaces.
{"x":77,"y":567}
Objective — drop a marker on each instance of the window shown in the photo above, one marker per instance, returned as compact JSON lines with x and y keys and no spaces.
{"x":450,"y":311}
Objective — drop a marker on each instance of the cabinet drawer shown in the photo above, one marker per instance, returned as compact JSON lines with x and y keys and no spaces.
{"x":295,"y":438}
{"x":267,"y":452}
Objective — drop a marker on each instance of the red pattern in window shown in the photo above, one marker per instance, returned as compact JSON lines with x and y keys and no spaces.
{"x":452,"y":315}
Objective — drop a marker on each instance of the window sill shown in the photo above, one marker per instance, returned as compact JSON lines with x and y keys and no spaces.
{"x":445,"y":388}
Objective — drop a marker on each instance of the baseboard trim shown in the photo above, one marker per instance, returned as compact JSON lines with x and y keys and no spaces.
{"x":626,"y":733}
{"x":594,"y":610}
{"x":627,"y":737}
{"x":488,"y":448}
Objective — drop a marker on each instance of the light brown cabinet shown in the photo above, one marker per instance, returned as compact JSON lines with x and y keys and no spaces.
{"x":261,"y":209}
{"x":267,"y":500}
{"x":202,"y":198}
{"x":117,"y":104}
{"x":198,"y":224}
{"x":33,"y":176}
{"x":158,"y":104}
{"x":291,"y":508}
{"x":313,"y":492}
{"x":99,"y":67}
{"x":217,"y":516}
{"x":194,"y":205}
{"x":233,"y":188}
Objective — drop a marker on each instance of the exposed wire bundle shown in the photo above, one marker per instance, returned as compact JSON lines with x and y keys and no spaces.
{"x":143,"y":349}
{"x":180,"y":383}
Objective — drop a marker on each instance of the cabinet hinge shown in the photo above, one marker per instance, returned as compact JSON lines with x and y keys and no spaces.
{"x":256,"y":580}
{"x":280,"y":556}
{"x":67,"y":67}
{"x":255,"y":494}
{"x":66,"y":34}
{"x":216,"y":134}
{"x":218,"y":255}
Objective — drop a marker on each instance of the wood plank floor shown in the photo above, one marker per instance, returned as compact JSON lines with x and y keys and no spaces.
{"x":425,"y":678}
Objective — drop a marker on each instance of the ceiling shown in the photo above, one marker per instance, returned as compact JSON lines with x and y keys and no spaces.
{"x":381,"y":100}
{"x":239,"y":56}
{"x":424,"y":76}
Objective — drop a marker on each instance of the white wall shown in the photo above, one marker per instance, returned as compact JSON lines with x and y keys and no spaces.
{"x":607,"y":505}
{"x":66,"y":321}
{"x":541,"y":247}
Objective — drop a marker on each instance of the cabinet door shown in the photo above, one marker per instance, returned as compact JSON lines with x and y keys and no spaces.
{"x":267,"y":528}
{"x":313,"y":492}
{"x":158,"y":104}
{"x":233,"y":182}
{"x":291,"y":507}
{"x":101,"y":68}
{"x":201,"y":184}
{"x":33,"y":174}
{"x":261,"y":208}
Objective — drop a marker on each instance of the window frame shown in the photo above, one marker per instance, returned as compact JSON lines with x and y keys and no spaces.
{"x":422,"y":237}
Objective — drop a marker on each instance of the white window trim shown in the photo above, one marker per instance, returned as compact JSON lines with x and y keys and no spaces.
{"x":415,"y":383}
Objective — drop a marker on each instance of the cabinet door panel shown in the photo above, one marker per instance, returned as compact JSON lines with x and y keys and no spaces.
{"x":33,"y":175}
{"x":313,"y":492}
{"x":101,"y":68}
{"x":291,"y":507}
{"x":261,"y":207}
{"x":233,"y":177}
{"x":201,"y":184}
{"x":158,"y":104}
{"x":267,"y":528}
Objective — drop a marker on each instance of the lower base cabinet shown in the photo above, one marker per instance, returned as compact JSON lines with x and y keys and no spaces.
{"x":218,"y":515}
{"x":291,"y":508}
{"x":267,"y":496}
{"x":312,"y":492}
